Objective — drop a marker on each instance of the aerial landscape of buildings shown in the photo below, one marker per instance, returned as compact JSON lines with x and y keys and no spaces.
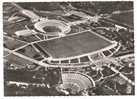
{"x":68,"y":48}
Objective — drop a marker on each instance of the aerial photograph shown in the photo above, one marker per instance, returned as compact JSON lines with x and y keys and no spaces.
{"x":83,"y":48}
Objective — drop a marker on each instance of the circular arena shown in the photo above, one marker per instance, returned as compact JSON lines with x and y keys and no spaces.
{"x":75,"y":82}
{"x":52,"y":27}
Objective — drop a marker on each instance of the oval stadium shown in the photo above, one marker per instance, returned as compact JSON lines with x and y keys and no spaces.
{"x":61,"y":27}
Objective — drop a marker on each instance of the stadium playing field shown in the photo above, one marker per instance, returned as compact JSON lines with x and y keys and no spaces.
{"x":74,"y":45}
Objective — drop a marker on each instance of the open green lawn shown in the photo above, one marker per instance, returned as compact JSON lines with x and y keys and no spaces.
{"x":74,"y":45}
{"x":125,"y":18}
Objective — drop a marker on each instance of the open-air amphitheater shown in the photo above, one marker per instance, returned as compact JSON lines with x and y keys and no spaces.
{"x":73,"y":81}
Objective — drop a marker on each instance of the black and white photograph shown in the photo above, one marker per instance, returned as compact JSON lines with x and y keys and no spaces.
{"x":68,"y":48}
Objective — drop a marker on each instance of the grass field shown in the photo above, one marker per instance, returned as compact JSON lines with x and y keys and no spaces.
{"x":126,"y":18}
{"x":74,"y":45}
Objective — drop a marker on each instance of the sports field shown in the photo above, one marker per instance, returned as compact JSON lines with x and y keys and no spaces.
{"x":74,"y":45}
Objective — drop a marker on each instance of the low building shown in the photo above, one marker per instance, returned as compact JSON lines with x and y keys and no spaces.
{"x":24,"y":32}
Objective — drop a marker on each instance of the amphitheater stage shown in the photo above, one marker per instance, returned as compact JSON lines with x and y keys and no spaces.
{"x":75,"y":45}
